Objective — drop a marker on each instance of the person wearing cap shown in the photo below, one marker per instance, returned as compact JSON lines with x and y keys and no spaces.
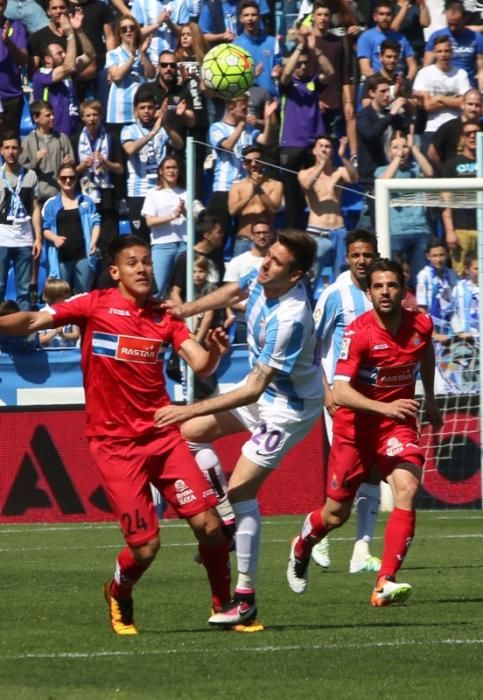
{"x":466,"y":45}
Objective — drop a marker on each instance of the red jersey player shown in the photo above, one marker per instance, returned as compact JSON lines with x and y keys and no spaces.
{"x":375,"y":423}
{"x":123,"y":339}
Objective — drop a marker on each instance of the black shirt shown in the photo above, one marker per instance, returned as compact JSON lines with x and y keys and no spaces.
{"x":69,"y":225}
{"x":461,"y":166}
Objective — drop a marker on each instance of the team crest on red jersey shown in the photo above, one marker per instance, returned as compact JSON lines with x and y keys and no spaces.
{"x":132,"y":349}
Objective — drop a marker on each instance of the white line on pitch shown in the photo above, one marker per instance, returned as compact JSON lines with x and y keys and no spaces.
{"x":240,"y":650}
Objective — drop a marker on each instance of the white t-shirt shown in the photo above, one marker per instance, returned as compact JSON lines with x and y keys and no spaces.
{"x":160,"y":203}
{"x":436,"y":82}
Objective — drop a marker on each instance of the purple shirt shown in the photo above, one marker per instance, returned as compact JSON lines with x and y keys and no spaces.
{"x":10,"y":83}
{"x":61,"y":97}
{"x":301,"y":118}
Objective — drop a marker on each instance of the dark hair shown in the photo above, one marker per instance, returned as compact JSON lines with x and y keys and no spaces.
{"x":469,"y":258}
{"x":386,"y":265}
{"x":321,"y":5}
{"x":436,"y":243}
{"x":8,"y":306}
{"x":373,"y":82}
{"x":443,"y":39}
{"x":382,"y":3}
{"x":123,"y":242}
{"x":261,"y":219}
{"x":37,"y":107}
{"x":143,"y":94}
{"x":390,"y":44}
{"x":205,"y":224}
{"x":301,"y":245}
{"x":247,"y":3}
{"x":361,"y":235}
{"x":160,"y":180}
{"x":66,"y":166}
{"x":9,"y":135}
{"x":253,"y":148}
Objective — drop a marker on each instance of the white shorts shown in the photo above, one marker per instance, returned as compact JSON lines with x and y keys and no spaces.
{"x":275,"y":429}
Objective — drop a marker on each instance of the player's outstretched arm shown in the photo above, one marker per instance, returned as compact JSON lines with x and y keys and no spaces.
{"x":256,"y":383}
{"x":400,"y":410}
{"x":25,"y":322}
{"x":226,"y":295}
{"x":204,"y":361}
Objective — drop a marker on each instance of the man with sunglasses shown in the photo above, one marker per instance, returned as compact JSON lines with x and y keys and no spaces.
{"x":254,"y":196}
{"x":460,"y":227}
{"x":166,"y":87}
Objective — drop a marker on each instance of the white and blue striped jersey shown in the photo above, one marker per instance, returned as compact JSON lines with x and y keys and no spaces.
{"x":120,"y":108}
{"x":146,"y":12}
{"x":339,"y":304}
{"x":281,"y":335}
{"x":142,"y":167}
{"x":435,"y":292}
{"x":466,"y":315}
{"x":228,"y":164}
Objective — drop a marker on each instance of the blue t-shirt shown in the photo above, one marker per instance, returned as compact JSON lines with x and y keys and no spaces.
{"x":265,"y":50}
{"x":466,"y":47}
{"x":369,"y":44}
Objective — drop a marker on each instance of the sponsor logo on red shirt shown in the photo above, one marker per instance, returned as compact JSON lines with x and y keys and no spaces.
{"x":395,"y":376}
{"x":131,"y":349}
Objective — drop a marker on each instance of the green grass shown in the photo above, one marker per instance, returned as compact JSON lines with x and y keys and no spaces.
{"x":55,"y":641}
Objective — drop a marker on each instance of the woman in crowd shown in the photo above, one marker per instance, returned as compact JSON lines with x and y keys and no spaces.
{"x":127,"y":67}
{"x":71,"y":227}
{"x":165,"y":212}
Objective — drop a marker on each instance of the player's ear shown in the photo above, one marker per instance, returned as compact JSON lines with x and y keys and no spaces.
{"x":114,"y":272}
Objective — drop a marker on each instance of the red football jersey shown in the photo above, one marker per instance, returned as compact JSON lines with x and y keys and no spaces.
{"x":122,"y":352}
{"x":379,"y":365}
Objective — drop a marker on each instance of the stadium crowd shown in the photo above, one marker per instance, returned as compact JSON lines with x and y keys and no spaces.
{"x":104,"y":94}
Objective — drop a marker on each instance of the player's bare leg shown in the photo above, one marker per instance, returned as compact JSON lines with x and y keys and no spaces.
{"x":317,"y":525}
{"x":214,"y":554}
{"x":131,"y":564}
{"x":398,"y":535}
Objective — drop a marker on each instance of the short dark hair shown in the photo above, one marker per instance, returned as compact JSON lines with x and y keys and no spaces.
{"x":387,"y":265}
{"x":261,"y":219}
{"x":373,"y":81}
{"x":143,"y":94}
{"x":123,"y":242}
{"x":253,"y":148}
{"x":247,"y":3}
{"x":382,"y":3}
{"x":361,"y":235}
{"x":436,"y":243}
{"x":443,"y":39}
{"x":390,"y":44}
{"x":301,"y":245}
{"x":37,"y":107}
{"x":321,"y":5}
{"x":205,"y":224}
{"x":9,"y":135}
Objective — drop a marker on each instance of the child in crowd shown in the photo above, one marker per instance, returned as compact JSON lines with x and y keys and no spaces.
{"x":434,"y":290}
{"x":466,"y":298}
{"x":56,"y":290}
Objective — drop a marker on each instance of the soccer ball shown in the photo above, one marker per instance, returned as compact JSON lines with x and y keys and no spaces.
{"x":228,"y":71}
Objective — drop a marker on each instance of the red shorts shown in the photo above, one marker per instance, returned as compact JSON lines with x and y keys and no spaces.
{"x":351,"y":462}
{"x":127,"y":466}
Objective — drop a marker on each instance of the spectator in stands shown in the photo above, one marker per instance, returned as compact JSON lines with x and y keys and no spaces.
{"x":218,"y":19}
{"x":45,"y":150}
{"x":369,"y":42}
{"x":301,"y":119}
{"x":56,"y":290}
{"x":440,"y":88}
{"x":323,"y":193}
{"x":375,"y":124}
{"x":410,"y":18}
{"x":53,"y":82}
{"x":164,"y":210}
{"x":30,"y":14}
{"x":409,"y":226}
{"x":233,"y":134}
{"x":99,"y":161}
{"x":203,"y":321}
{"x":466,"y":45}
{"x":409,"y":302}
{"x":466,"y":297}
{"x":146,"y":143}
{"x":209,"y":240}
{"x":253,"y":196}
{"x":446,"y":139}
{"x":71,"y":227}
{"x":51,"y":33}
{"x":399,"y":85}
{"x":263,"y":47}
{"x":162,"y":20}
{"x":460,"y":225}
{"x":246,"y":267}
{"x":434,"y":290}
{"x":20,"y":221}
{"x":13,"y":57}
{"x":128,"y":66}
{"x":337,"y":94}
{"x":167,"y":87}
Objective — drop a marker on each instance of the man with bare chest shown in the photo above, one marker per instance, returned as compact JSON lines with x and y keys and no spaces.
{"x":252,"y":197}
{"x":321,"y":185}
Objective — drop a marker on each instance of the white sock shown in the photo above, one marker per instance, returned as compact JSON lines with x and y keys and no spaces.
{"x":367,"y":505}
{"x":248,"y":524}
{"x":207,"y":460}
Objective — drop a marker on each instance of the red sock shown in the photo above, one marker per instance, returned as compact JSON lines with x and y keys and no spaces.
{"x":313,"y":531}
{"x":128,"y":571}
{"x":216,"y":560}
{"x":397,"y":538}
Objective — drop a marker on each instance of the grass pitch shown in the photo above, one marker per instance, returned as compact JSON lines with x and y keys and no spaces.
{"x":56,"y":643}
